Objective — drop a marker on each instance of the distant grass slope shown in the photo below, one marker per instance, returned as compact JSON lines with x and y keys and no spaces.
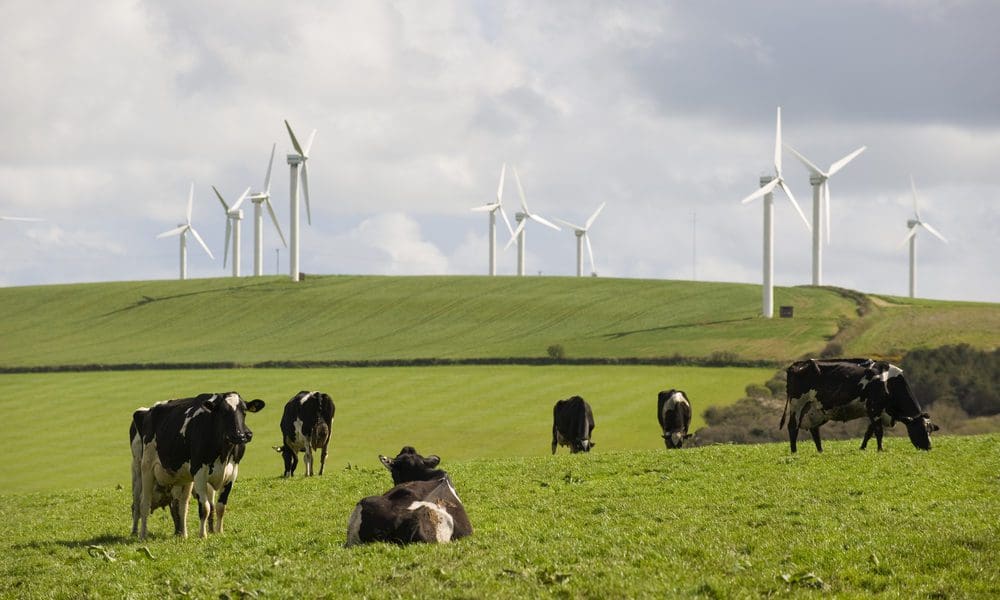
{"x":254,"y":320}
{"x":714,"y":522}
{"x":461,"y":412}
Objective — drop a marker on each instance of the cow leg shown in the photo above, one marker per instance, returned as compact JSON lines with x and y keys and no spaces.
{"x":206,"y":498}
{"x":815,"y":434}
{"x":178,"y":508}
{"x":220,"y":506}
{"x":145,"y":501}
{"x":322,"y":458}
{"x":554,"y":442}
{"x":291,"y":460}
{"x":878,"y":434}
{"x":793,"y":435}
{"x":308,"y":459}
{"x":868,"y":434}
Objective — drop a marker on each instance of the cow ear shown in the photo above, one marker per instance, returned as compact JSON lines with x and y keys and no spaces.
{"x":386,"y":461}
{"x":933,"y":427}
{"x":432,"y":461}
{"x":212,"y":403}
{"x":255,"y":405}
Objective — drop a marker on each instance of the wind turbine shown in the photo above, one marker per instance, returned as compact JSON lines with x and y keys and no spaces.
{"x":911,"y":237}
{"x":234,"y":216}
{"x":767,"y":185}
{"x":581,"y":236}
{"x":294,"y":160}
{"x":820,"y":181}
{"x":522,"y":220}
{"x":493,"y":208}
{"x":261,"y":199}
{"x":182,"y":230}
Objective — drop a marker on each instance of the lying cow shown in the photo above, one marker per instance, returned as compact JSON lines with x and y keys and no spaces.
{"x":192,"y":443}
{"x":674,"y":413}
{"x":847,"y":389}
{"x":422,"y":507}
{"x":305,"y":426}
{"x":572,"y":424}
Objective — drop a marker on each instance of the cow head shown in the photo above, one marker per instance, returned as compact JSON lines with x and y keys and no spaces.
{"x":410,"y":466}
{"x":675,"y":439}
{"x":919,"y":429}
{"x":801,"y":376}
{"x":229,"y":412}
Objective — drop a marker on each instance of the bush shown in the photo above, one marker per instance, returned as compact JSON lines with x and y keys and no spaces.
{"x":556,"y":351}
{"x":755,"y":390}
{"x":959,"y":373}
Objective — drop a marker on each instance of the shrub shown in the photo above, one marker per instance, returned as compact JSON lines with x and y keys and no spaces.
{"x":556,"y":351}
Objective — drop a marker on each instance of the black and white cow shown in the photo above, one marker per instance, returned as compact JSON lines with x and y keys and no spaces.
{"x":423,"y":506}
{"x":572,"y":424}
{"x":674,"y":413}
{"x":853,"y":388}
{"x":162,"y":496}
{"x":192,"y":443}
{"x":305,"y":426}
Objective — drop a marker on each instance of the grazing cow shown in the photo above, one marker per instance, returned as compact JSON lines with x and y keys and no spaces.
{"x":305,"y":426}
{"x":422,"y":506}
{"x":572,"y":424}
{"x":192,"y":443}
{"x":674,"y":412}
{"x":847,"y":389}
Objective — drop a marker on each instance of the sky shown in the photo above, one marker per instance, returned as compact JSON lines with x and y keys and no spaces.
{"x":665,"y":111}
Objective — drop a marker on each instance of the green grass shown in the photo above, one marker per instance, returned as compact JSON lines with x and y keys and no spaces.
{"x":66,"y":430}
{"x":368,"y":318}
{"x":716,"y":522}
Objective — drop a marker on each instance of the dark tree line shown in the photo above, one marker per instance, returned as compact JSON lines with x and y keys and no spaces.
{"x":959,"y":374}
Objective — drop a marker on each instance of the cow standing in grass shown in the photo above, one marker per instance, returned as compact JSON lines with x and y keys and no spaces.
{"x":572,"y":425}
{"x":423,"y":506}
{"x":845,"y":389}
{"x":305,"y":426}
{"x":192,"y":444}
{"x":674,"y":413}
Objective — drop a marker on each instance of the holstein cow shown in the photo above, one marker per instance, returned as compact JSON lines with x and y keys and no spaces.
{"x":422,"y":507}
{"x":162,"y":495}
{"x":572,"y":424}
{"x":305,"y":426}
{"x":847,"y":389}
{"x":192,"y":443}
{"x":674,"y":413}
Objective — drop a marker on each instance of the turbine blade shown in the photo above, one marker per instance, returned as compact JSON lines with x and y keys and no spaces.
{"x":593,"y":217}
{"x":913,"y":186}
{"x":202,"y":242}
{"x":520,"y":191}
{"x":515,"y":233}
{"x":20,"y":219}
{"x":243,"y":197}
{"x":590,"y":251}
{"x":788,"y":192}
{"x":190,"y":203}
{"x":305,"y":189}
{"x":219,"y":196}
{"x":485,"y":207}
{"x":933,"y":231}
{"x":503,"y":214}
{"x":912,"y":232}
{"x":225,"y":252}
{"x":570,"y":225}
{"x":295,"y":141}
{"x":172,"y":232}
{"x":309,"y":144}
{"x":762,"y":191}
{"x":812,"y":168}
{"x":267,"y":178}
{"x":503,"y":172}
{"x":274,"y":219}
{"x":777,"y":144}
{"x":840,"y":164}
{"x":543,"y":221}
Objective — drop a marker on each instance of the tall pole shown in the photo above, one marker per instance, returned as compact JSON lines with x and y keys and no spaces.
{"x":293,"y":197}
{"x":579,"y":253}
{"x":520,"y":244}
{"x":913,"y":267}
{"x":184,"y":255}
{"x":694,"y":245}
{"x":817,"y":185}
{"x":237,"y":223}
{"x":258,"y":237}
{"x":767,"y":308}
{"x":493,"y":243}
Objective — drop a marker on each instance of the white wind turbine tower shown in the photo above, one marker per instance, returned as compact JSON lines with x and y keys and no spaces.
{"x":581,"y":236}
{"x":820,"y":181}
{"x":294,"y":160}
{"x":911,"y":237}
{"x":493,"y":208}
{"x":234,"y":217}
{"x":767,"y":185}
{"x":182,"y":231}
{"x":522,"y":220}
{"x":261,"y":199}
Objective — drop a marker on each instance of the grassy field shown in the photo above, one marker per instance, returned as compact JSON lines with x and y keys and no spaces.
{"x":366,"y":318}
{"x":463,"y":412}
{"x":716,"y":522}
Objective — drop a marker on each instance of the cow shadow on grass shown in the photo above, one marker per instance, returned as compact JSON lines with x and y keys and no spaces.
{"x":104,"y":539}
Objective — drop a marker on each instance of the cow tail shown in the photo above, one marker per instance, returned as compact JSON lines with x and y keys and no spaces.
{"x":784,"y":413}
